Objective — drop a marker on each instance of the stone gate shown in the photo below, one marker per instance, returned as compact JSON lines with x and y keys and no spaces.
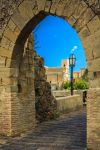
{"x":17,"y":96}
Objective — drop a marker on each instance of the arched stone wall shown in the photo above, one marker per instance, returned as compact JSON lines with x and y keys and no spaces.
{"x":18,"y":18}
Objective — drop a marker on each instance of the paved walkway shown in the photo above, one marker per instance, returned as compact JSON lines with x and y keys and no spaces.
{"x":66,"y":133}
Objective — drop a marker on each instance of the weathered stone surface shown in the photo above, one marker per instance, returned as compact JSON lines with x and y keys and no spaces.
{"x":69,"y":9}
{"x":25,"y":9}
{"x":5,"y":52}
{"x":71,"y":20}
{"x":44,"y":101}
{"x":93,"y":119}
{"x":94,"y":65}
{"x":47,"y":6}
{"x":41,"y":4}
{"x":93,"y":43}
{"x":54,"y":6}
{"x":60,"y":7}
{"x":69,"y":103}
{"x":94,"y":24}
{"x":84,"y":33}
{"x":81,"y":8}
{"x":84,"y":19}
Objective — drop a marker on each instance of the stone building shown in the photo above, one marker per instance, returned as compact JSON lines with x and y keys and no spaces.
{"x":56,"y":76}
{"x":76,"y":75}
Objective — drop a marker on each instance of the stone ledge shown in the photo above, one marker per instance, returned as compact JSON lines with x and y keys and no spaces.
{"x":69,"y":103}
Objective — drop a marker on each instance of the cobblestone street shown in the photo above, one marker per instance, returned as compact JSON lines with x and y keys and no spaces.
{"x":66,"y":133}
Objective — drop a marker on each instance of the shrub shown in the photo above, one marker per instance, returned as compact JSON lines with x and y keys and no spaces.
{"x":78,"y":84}
{"x":67,"y":85}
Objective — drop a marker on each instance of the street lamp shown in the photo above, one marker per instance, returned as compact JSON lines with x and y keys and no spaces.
{"x":72,"y":60}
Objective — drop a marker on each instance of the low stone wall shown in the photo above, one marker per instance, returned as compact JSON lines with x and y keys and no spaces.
{"x":64,"y":93}
{"x":69,"y":103}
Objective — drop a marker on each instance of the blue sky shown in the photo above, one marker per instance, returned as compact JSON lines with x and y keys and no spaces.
{"x":56,"y":40}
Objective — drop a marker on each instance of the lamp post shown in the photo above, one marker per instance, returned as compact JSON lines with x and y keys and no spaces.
{"x":72,"y":60}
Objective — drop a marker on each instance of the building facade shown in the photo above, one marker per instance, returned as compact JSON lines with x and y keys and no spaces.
{"x":56,"y":76}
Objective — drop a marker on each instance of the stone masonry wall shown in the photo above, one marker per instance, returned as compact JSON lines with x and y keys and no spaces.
{"x":45,"y":102}
{"x":93,"y":119}
{"x":16,"y":15}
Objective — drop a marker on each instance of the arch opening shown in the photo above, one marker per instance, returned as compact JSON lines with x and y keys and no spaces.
{"x":83,"y":17}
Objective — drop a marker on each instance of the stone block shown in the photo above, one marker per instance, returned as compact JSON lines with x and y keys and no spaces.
{"x":10,"y":35}
{"x":18,"y":20}
{"x":25,"y":9}
{"x":84,"y":33}
{"x":94,"y":65}
{"x":2,"y":61}
{"x":94,"y":24}
{"x":5,"y":42}
{"x":5,"y":52}
{"x":47,"y":6}
{"x":8,"y":72}
{"x":81,"y":7}
{"x":70,"y":7}
{"x":84,"y":19}
{"x":17,"y":31}
{"x":87,"y":49}
{"x":95,"y":83}
{"x":54,"y":6}
{"x":60,"y":8}
{"x":71,"y":20}
{"x":41,"y":4}
{"x":8,"y":81}
{"x":11,"y":25}
{"x":92,"y":43}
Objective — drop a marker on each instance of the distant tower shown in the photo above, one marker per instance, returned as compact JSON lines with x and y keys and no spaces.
{"x":65,"y":66}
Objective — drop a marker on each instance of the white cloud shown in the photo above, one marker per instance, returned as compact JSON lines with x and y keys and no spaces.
{"x":74,"y":48}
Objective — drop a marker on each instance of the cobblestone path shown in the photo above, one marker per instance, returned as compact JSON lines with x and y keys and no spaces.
{"x":66,"y":133}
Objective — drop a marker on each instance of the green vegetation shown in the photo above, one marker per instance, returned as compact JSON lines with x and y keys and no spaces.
{"x":78,"y":84}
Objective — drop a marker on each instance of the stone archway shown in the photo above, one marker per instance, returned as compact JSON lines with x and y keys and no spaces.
{"x":18,"y":20}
